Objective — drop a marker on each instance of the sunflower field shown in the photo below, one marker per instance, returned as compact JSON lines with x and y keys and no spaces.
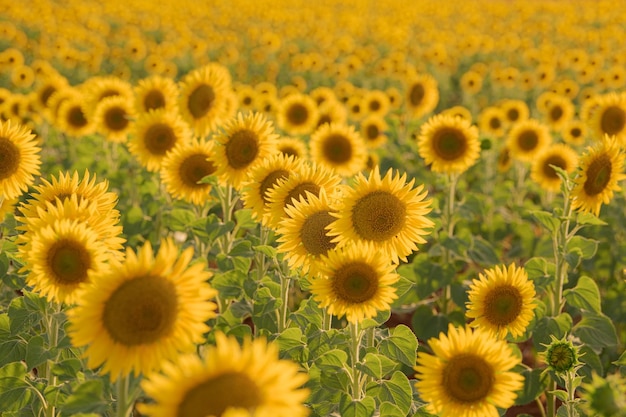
{"x":312,"y":208}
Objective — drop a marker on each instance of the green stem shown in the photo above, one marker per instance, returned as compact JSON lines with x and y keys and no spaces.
{"x":542,"y":410}
{"x":228,"y":199}
{"x":449,"y":226}
{"x":551,"y":399}
{"x":124,"y":404}
{"x":327,"y":320}
{"x":355,"y":345}
{"x":559,"y":246}
{"x":285,"y":288}
{"x":52,"y":330}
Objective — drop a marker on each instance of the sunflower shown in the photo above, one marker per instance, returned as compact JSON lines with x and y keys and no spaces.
{"x":458,"y":111}
{"x":376,"y":102}
{"x":7,"y":206}
{"x":247,"y":98}
{"x":468,"y":375}
{"x":559,"y":112}
{"x":332,"y":111}
{"x":574,"y":133}
{"x":471,"y":82}
{"x":303,"y":237}
{"x":72,"y":118}
{"x":373,"y":131}
{"x":292,"y":147}
{"x":492,"y":122}
{"x":19,"y":160}
{"x":323,"y":95}
{"x":244,"y":143}
{"x":48,"y":86}
{"x":249,"y":378}
{"x":98,"y":88}
{"x":559,"y":155}
{"x":395,"y":97}
{"x":154,"y":134}
{"x":113,"y":117}
{"x":144,"y":311}
{"x":515,"y":110}
{"x":609,"y":117}
{"x":156,"y":92}
{"x":264,"y":177}
{"x":354,"y":281}
{"x":502,"y":301}
{"x":448,"y":144}
{"x":63,"y":258}
{"x":422,"y":95}
{"x":22,"y":76}
{"x":203,"y":100}
{"x":297,"y":114}
{"x":387,"y":212}
{"x":340,"y":148}
{"x":309,"y":178}
{"x":527,"y":138}
{"x":600,"y":169}
{"x":184,"y":166}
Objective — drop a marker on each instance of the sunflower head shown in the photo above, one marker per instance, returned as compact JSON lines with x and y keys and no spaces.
{"x":558,"y":155}
{"x":19,"y":159}
{"x":422,"y":95}
{"x":561,"y":355}
{"x":297,"y":114}
{"x":528,"y":138}
{"x":339,"y":148}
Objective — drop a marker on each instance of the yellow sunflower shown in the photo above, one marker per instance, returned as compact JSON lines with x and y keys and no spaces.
{"x":448,"y":144}
{"x":559,"y":155}
{"x":492,"y":122}
{"x":204,"y":98}
{"x":515,"y":110}
{"x":422,"y":95}
{"x":47,"y":87}
{"x":574,"y":133}
{"x":376,"y":102}
{"x":63,"y":258}
{"x":154,"y":134}
{"x":387,"y":212}
{"x":502,"y":301}
{"x":156,"y":92}
{"x":303,"y":233}
{"x":600,"y":169}
{"x":609,"y":117}
{"x":297,"y":114}
{"x":560,"y":110}
{"x":72,"y":118}
{"x":184,"y":166}
{"x":527,"y":139}
{"x":339,"y":148}
{"x":471,"y":82}
{"x":309,"y":178}
{"x":7,"y":206}
{"x":332,"y":111}
{"x":468,"y":375}
{"x":244,"y":143}
{"x":113,"y":117}
{"x":19,"y":160}
{"x":373,"y":130}
{"x":264,"y":177}
{"x":250,"y":378}
{"x":354,"y":281}
{"x":293,"y":147}
{"x":144,"y":311}
{"x":98,"y":88}
{"x":458,"y":111}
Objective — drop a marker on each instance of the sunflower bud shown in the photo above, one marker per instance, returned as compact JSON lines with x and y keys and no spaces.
{"x":561,"y":355}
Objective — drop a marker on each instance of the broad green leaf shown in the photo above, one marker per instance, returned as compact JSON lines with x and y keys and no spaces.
{"x":36,"y":352}
{"x":426,"y":275}
{"x":332,"y":361}
{"x":548,"y":220}
{"x":587,"y":247}
{"x":534,"y":385}
{"x":35,"y":302}
{"x":377,"y":366}
{"x":15,"y":392}
{"x":365,"y":407}
{"x":381,"y":317}
{"x":596,"y":331}
{"x":12,"y":350}
{"x":309,"y":314}
{"x":216,"y":228}
{"x":427,"y":323}
{"x":22,"y":318}
{"x":266,"y":250}
{"x":546,"y":326}
{"x":482,"y":252}
{"x":244,"y":219}
{"x":397,"y":390}
{"x":388,"y":409}
{"x":622,"y":359}
{"x":291,"y":342}
{"x":4,"y":264}
{"x":242,"y":248}
{"x":67,"y":369}
{"x":586,"y":295}
{"x":229,"y":283}
{"x":88,"y":397}
{"x":588,"y":218}
{"x":400,"y":346}
{"x":592,"y":361}
{"x":265,"y":302}
{"x":540,"y":271}
{"x":560,"y":394}
{"x":181,"y":219}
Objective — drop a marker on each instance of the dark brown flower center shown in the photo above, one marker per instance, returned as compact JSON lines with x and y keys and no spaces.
{"x":10,"y":157}
{"x":378,"y":216}
{"x":337,"y":148}
{"x":153,"y":99}
{"x":200,"y":101}
{"x":503,"y":305}
{"x":313,"y":233}
{"x":598,"y":175}
{"x":355,"y":282}
{"x":194,"y":168}
{"x":242,"y":148}
{"x":468,"y":378}
{"x":69,"y":261}
{"x":159,"y":138}
{"x":449,"y":144}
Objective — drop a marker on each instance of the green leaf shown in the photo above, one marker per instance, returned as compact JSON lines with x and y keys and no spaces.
{"x":588,"y":218}
{"x":621,"y":361}
{"x":587,"y":247}
{"x":35,"y":302}
{"x":244,"y":219}
{"x":483,"y":252}
{"x":560,"y":394}
{"x":266,"y":250}
{"x":540,"y":271}
{"x":216,"y":228}
{"x":67,"y":369}
{"x":396,"y":390}
{"x":388,"y":409}
{"x":376,"y":365}
{"x":181,"y":219}
{"x":534,"y":386}
{"x":428,"y":324}
{"x":22,"y":318}
{"x":12,"y":350}
{"x":546,"y":326}
{"x":548,"y":220}
{"x":332,"y":360}
{"x":596,"y":331}
{"x":36,"y":352}
{"x":229,"y":283}
{"x":15,"y":392}
{"x":242,"y":248}
{"x":4,"y":264}
{"x":592,"y":361}
{"x":586,"y":295}
{"x":365,"y":407}
{"x":381,"y":317}
{"x":264,"y":302}
{"x":291,"y":342}
{"x":401,"y":345}
{"x":88,"y":397}
{"x":426,"y":275}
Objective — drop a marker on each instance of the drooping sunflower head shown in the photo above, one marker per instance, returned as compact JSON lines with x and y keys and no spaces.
{"x":501,"y":301}
{"x":559,"y":155}
{"x":230,"y":381}
{"x":469,"y":370}
{"x":448,"y":144}
{"x":246,"y":141}
{"x":527,"y":139}
{"x":600,"y":170}
{"x":354,"y":281}
{"x":154,"y":134}
{"x":297,"y":114}
{"x":339,"y":148}
{"x":144,"y":311}
{"x":609,"y":117}
{"x":422,"y":95}
{"x":113,"y":117}
{"x":155,"y":92}
{"x":19,"y":159}
{"x":183,"y":168}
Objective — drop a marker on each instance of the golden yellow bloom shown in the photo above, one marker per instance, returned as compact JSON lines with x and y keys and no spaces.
{"x":339,"y":148}
{"x":559,"y":155}
{"x":156,"y":92}
{"x":293,"y":147}
{"x":422,"y":95}
{"x":515,"y":110}
{"x":297,"y":114}
{"x":492,"y":122}
{"x":19,"y":160}
{"x":528,"y":138}
{"x":113,"y":117}
{"x":609,"y":117}
{"x":373,"y":130}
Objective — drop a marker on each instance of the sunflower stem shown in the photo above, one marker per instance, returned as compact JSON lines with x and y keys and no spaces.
{"x":124,"y":406}
{"x":52,"y":330}
{"x":327,"y":320}
{"x":449,"y":226}
{"x":355,"y":345}
{"x":542,"y":409}
{"x":285,"y":287}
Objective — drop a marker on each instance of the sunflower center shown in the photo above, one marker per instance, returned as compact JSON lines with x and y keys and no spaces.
{"x":598,"y":175}
{"x":576,"y":132}
{"x":200,"y":101}
{"x":69,"y":261}
{"x":159,"y":138}
{"x":356,"y":282}
{"x":374,"y":105}
{"x":46,"y":93}
{"x":556,"y":113}
{"x":76,"y":117}
{"x":503,"y":305}
{"x":300,"y":190}
{"x":115,"y":119}
{"x":417,"y":94}
{"x":142,"y":310}
{"x":214,"y":396}
{"x":297,"y":114}
{"x":528,"y":140}
{"x":613,"y":120}
{"x":194,"y":168}
{"x":337,"y":149}
{"x":242,"y":148}
{"x":313,"y":233}
{"x":555,"y":160}
{"x":378,"y":216}
{"x":495,"y":123}
{"x":372,"y":132}
{"x":468,"y":378}
{"x":289,"y":151}
{"x":154,"y":99}
{"x":512,"y":115}
{"x":449,"y":144}
{"x":325,"y":118}
{"x":9,"y":158}
{"x":270,"y":182}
